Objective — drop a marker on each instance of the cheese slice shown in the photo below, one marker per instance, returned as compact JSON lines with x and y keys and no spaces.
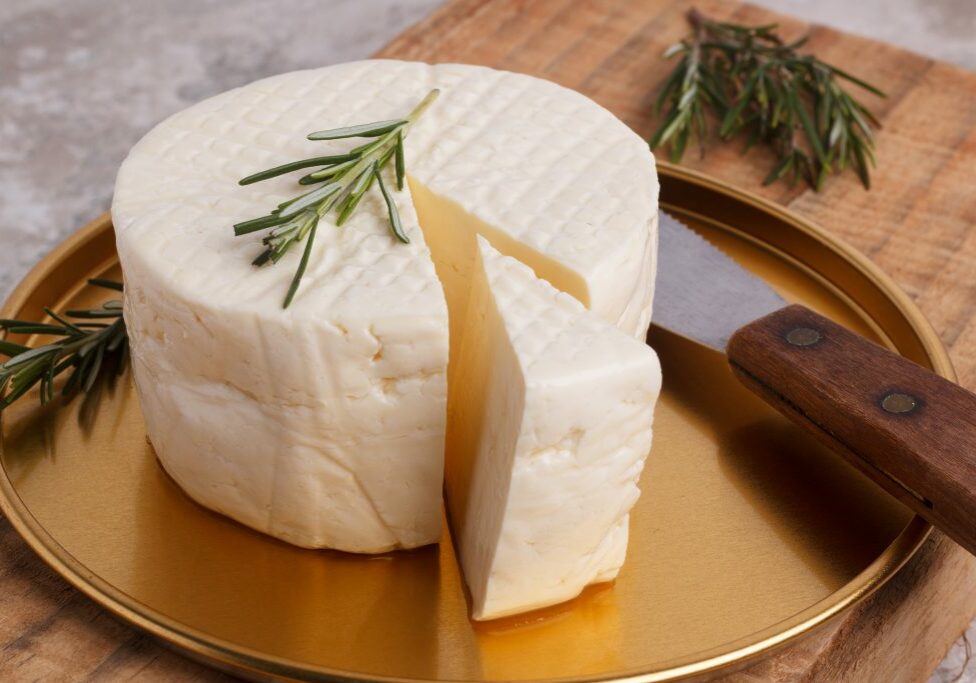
{"x":549,"y":429}
{"x":323,"y":424}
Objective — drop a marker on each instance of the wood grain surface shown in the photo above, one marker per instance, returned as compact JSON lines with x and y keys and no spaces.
{"x":915,"y":223}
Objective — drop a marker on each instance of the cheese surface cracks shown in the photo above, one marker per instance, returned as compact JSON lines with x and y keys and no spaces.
{"x":324,"y":424}
{"x":551,"y":442}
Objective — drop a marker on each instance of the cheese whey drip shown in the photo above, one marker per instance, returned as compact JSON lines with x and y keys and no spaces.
{"x":550,"y":426}
{"x":323,"y":424}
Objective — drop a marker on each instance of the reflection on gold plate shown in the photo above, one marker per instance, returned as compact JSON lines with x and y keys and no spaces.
{"x":748,"y":534}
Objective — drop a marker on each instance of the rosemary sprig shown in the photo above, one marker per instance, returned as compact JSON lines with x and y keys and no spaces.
{"x":760,"y":86}
{"x":343,"y":181}
{"x":91,"y":344}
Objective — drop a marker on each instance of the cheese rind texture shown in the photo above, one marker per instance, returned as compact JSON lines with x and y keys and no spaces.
{"x":551,"y":178}
{"x":553,"y":441}
{"x":323,"y":424}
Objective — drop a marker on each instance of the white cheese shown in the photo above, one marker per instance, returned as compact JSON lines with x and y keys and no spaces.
{"x":323,"y":424}
{"x":549,"y":430}
{"x":549,"y":177}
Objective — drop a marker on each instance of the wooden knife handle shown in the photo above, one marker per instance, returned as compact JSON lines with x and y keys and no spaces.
{"x":911,"y":431}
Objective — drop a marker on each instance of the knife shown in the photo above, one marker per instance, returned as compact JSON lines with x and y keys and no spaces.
{"x":909,"y":430}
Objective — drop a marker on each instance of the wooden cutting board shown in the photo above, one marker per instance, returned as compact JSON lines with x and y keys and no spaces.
{"x":915,"y":223}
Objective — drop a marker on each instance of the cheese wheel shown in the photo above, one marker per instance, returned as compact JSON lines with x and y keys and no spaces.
{"x":323,"y":424}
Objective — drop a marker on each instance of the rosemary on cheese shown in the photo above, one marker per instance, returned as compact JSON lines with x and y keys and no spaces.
{"x":343,"y":180}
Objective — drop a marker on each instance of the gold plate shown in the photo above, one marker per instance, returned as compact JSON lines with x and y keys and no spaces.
{"x":747,"y":536}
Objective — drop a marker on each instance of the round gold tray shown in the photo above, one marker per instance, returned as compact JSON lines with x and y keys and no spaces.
{"x":747,"y":536}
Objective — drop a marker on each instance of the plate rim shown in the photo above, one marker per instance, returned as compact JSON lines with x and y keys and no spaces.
{"x":736,"y":654}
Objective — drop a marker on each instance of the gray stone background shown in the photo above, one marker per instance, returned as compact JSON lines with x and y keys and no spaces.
{"x":82,"y":80}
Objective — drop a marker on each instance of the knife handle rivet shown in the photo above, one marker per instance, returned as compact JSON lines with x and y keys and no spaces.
{"x":803,"y":336}
{"x":899,"y":403}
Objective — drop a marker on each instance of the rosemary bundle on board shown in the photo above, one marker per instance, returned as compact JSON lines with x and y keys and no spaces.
{"x":343,"y":180}
{"x":762,"y":88}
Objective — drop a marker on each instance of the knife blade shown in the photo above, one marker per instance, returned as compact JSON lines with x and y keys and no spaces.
{"x":910,"y":430}
{"x":701,"y":293}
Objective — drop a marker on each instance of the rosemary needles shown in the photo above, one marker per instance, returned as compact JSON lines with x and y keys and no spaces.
{"x":89,"y":345}
{"x":342,"y":179}
{"x":759,"y":86}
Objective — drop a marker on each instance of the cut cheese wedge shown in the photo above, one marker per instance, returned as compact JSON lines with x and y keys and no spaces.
{"x":323,"y":424}
{"x":549,"y":429}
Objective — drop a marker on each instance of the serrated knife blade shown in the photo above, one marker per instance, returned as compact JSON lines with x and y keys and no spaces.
{"x":701,"y":293}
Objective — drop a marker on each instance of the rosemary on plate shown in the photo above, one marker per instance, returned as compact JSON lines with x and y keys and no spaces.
{"x":342,"y":179}
{"x":89,"y":345}
{"x":762,"y":87}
